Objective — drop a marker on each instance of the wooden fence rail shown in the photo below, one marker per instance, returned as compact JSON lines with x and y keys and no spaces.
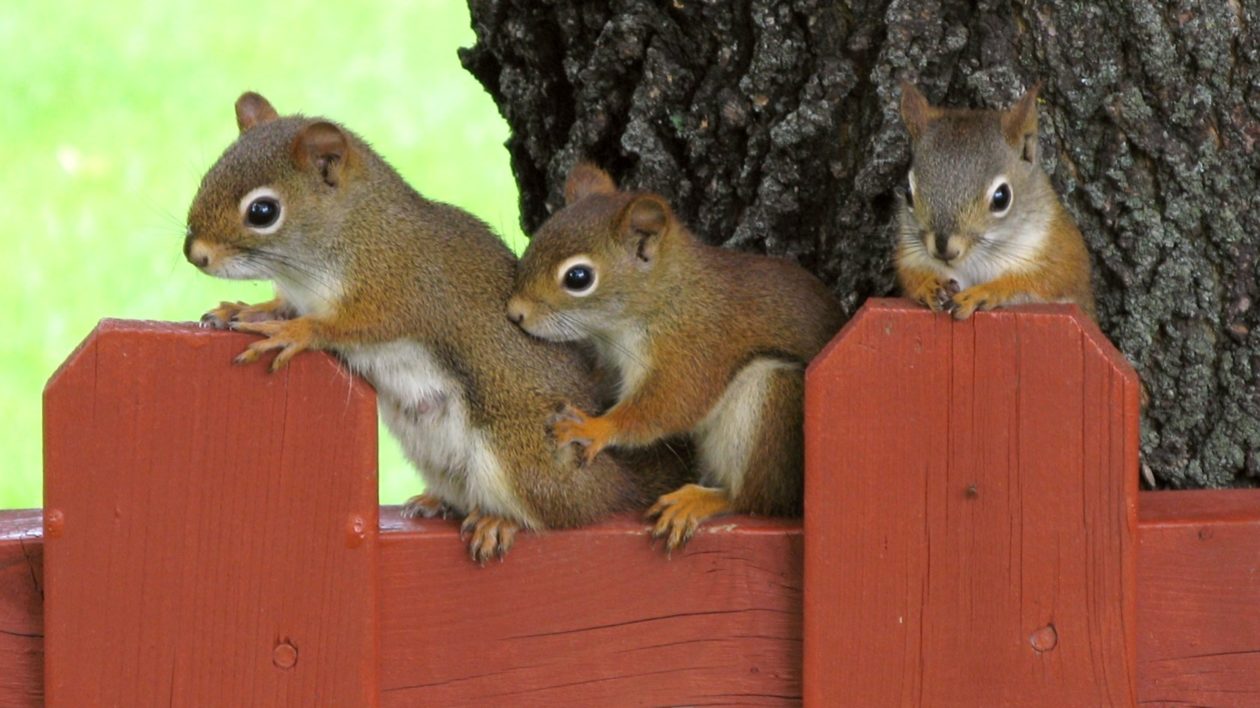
{"x":210,"y":533}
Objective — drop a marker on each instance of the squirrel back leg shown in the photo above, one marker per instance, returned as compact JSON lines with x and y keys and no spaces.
{"x":750,"y":449}
{"x":773,"y":479}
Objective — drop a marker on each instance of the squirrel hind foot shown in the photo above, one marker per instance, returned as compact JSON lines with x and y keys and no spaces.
{"x":425,"y":506}
{"x":489,"y":536}
{"x":680,"y":513}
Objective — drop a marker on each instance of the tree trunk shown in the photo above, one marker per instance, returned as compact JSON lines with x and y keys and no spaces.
{"x":774,"y":126}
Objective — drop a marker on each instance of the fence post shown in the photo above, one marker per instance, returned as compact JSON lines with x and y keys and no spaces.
{"x":970,"y":511}
{"x":210,"y":530}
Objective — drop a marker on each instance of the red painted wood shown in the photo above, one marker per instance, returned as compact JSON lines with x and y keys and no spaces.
{"x":584,"y":617}
{"x":201,"y":516}
{"x":1198,"y":626}
{"x":970,"y":499}
{"x":1199,"y":598}
{"x":21,"y":609}
{"x":592,"y":617}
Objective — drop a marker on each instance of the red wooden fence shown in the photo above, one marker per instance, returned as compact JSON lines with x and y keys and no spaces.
{"x":210,"y":535}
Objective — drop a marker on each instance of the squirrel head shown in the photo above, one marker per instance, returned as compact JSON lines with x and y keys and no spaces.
{"x":974,"y":179}
{"x":595,"y":261}
{"x":272,"y":197}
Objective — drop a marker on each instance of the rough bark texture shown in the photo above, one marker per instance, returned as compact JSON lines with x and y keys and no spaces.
{"x":773,"y":126}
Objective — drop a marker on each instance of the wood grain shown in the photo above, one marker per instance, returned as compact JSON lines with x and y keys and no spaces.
{"x":1199,"y":598}
{"x":210,"y":529}
{"x":970,"y":511}
{"x":1198,"y":626}
{"x":594,"y":616}
{"x":21,"y":608}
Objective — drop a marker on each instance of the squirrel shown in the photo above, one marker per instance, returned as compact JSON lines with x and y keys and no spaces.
{"x":408,"y":293}
{"x":702,"y":341}
{"x":980,"y":225}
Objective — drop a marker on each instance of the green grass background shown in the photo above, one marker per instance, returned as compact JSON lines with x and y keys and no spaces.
{"x":111,"y":113}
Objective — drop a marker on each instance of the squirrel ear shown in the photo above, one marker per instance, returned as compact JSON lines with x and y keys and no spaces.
{"x":322,"y":147}
{"x":916,"y":112}
{"x":252,"y":109}
{"x":586,"y":179}
{"x":645,"y":222}
{"x":1019,"y":124}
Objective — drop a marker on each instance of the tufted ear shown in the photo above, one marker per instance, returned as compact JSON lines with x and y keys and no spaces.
{"x":324,"y":148}
{"x":586,"y":179}
{"x":252,"y":109}
{"x":1019,"y":124}
{"x":644,"y":223}
{"x":916,"y":112}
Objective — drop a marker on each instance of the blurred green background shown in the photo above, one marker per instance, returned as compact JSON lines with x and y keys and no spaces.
{"x":112,"y":112}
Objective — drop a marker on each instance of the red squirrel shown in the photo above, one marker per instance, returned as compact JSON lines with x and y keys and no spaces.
{"x":705,"y":342}
{"x":409,"y":293}
{"x":980,"y":225}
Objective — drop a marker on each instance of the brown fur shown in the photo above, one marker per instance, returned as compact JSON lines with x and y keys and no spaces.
{"x":958,"y":153}
{"x":410,"y":269}
{"x":706,"y":314}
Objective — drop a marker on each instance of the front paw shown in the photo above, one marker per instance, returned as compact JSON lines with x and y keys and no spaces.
{"x":222,"y":316}
{"x":574,"y":426}
{"x":963,"y":304}
{"x":229,"y":313}
{"x":934,"y":293}
{"x":489,"y":536}
{"x":291,"y":337}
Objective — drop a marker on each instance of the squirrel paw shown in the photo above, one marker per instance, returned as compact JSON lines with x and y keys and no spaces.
{"x":934,"y":294}
{"x":572,"y":425}
{"x":425,"y":506}
{"x":227,"y":313}
{"x":680,"y":513}
{"x":963,"y":304}
{"x":291,"y":337}
{"x":488,"y":536}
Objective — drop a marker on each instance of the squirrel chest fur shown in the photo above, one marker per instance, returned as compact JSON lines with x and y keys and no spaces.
{"x":703,"y":342}
{"x":409,"y":294}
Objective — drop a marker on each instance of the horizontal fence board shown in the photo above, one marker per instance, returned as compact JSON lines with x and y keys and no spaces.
{"x":21,"y":608}
{"x":1199,"y":598}
{"x":1198,"y":618}
{"x":592,"y":617}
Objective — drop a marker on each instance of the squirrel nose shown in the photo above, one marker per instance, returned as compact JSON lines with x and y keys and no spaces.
{"x":516,"y":311}
{"x":944,"y":250}
{"x":196,"y":252}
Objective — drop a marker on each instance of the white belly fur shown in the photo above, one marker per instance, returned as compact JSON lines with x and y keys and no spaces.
{"x":424,"y":407}
{"x":726,"y":436}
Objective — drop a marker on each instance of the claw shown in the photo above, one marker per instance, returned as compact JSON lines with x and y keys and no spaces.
{"x":572,"y":426}
{"x":291,"y":337}
{"x":490,"y":537}
{"x":679,"y":514}
{"x":425,"y":506}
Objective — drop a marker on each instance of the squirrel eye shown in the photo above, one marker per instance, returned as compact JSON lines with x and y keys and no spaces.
{"x":577,"y":275}
{"x":1001,"y":200}
{"x":578,"y":278}
{"x":908,"y":189}
{"x":262,"y":212}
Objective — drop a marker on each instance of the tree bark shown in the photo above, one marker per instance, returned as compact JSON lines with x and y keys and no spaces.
{"x":773,"y":126}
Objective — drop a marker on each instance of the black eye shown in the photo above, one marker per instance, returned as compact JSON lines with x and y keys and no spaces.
{"x":262,"y":212}
{"x":908,"y":193}
{"x":1001,"y":198}
{"x":578,"y":278}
